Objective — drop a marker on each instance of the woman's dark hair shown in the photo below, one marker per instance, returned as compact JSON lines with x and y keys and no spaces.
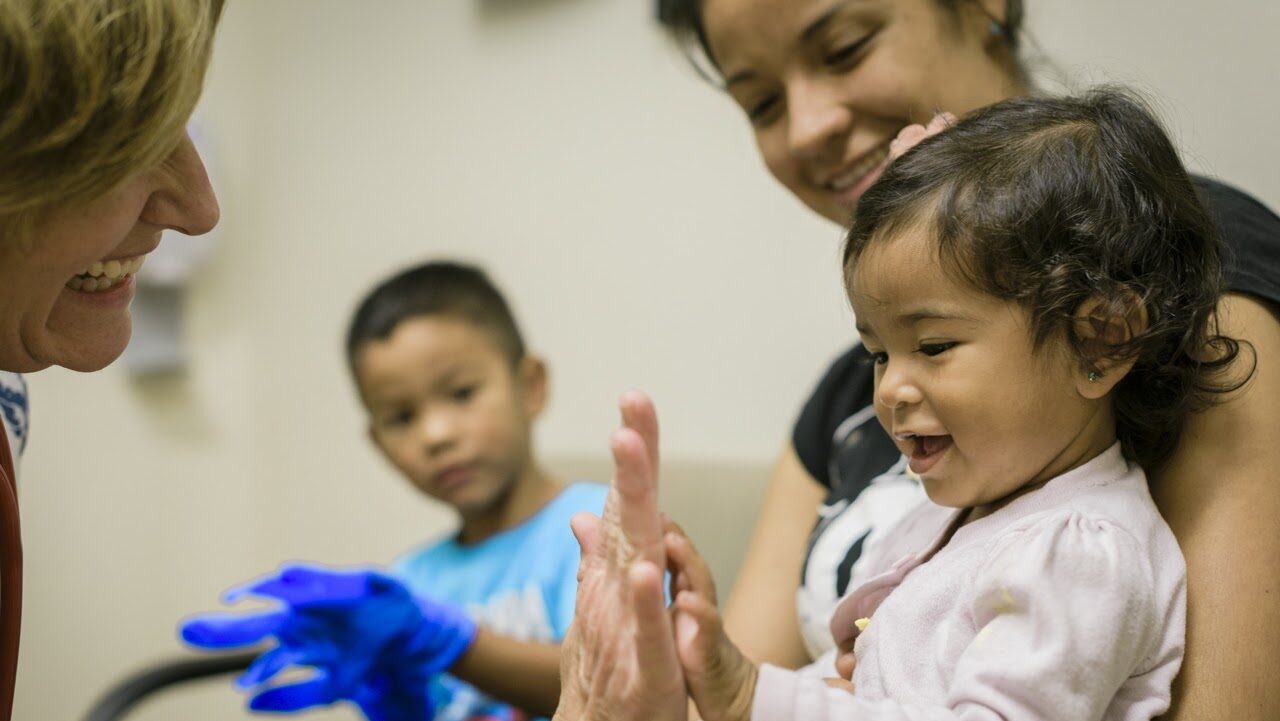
{"x":683,"y":20}
{"x":1054,"y":202}
{"x":440,"y":288}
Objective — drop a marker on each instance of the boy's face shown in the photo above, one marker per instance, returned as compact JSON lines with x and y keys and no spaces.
{"x":448,"y":410}
{"x":959,"y":384}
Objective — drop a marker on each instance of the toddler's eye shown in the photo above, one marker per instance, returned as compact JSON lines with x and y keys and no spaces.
{"x":932,"y":349}
{"x":879,"y":358}
{"x":462,"y":394}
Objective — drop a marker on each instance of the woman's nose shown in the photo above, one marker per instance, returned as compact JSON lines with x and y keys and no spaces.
{"x":183,"y":199}
{"x":818,"y":123}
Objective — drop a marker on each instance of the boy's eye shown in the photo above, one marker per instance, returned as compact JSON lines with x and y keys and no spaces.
{"x":462,"y":394}
{"x":932,"y":349}
{"x":398,"y":418}
{"x":759,"y":113}
{"x":879,"y":357}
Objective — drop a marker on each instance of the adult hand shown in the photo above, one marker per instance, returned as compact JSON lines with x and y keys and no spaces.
{"x":910,"y":136}
{"x":618,"y":659}
{"x":369,"y":640}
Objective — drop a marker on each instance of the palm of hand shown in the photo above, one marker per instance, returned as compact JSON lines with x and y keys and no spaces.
{"x":619,"y":660}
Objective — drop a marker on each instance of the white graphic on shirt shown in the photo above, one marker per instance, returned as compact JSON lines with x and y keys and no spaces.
{"x":876,"y":510}
{"x":516,"y":613}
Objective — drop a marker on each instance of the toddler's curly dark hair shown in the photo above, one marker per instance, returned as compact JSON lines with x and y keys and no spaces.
{"x":1053,"y":202}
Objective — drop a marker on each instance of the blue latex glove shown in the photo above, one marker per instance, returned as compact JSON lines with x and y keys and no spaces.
{"x":368,"y":638}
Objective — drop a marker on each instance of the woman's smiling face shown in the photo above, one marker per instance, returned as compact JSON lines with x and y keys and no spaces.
{"x":65,"y":289}
{"x":827,"y":84}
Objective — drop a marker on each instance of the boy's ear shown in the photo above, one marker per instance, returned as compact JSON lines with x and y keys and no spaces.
{"x":532,"y":376}
{"x":1102,"y":329}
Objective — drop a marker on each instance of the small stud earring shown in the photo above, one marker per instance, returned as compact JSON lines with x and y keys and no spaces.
{"x":1093,"y":376}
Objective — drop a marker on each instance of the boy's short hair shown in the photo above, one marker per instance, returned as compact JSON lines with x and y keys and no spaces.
{"x":433,"y":289}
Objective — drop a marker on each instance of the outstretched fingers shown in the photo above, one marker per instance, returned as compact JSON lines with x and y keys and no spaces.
{"x":632,"y":519}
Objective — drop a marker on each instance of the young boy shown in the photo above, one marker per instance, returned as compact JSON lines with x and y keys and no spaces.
{"x":451,"y":396}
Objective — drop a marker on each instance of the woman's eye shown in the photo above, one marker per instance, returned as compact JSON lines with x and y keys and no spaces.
{"x":844,"y":55}
{"x":932,"y":349}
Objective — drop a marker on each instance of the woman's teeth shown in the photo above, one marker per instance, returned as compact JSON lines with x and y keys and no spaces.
{"x":101,"y":276}
{"x":864,"y":166}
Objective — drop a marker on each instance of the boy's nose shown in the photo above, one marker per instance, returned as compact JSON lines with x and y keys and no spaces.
{"x":438,"y":432}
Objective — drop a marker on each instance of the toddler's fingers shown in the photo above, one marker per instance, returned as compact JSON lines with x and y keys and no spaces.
{"x":845,"y":664}
{"x":839,"y":683}
{"x":691,"y":564}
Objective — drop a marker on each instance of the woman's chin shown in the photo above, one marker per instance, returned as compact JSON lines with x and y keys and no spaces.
{"x":89,"y":349}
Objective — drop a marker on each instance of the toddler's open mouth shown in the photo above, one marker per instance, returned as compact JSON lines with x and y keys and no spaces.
{"x":925,"y":451}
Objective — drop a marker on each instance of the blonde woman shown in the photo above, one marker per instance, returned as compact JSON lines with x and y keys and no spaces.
{"x":95,"y":164}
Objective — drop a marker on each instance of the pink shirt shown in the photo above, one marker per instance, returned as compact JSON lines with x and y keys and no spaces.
{"x":1068,"y":603}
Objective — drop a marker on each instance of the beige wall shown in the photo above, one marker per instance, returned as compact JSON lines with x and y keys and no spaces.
{"x":616,"y":198}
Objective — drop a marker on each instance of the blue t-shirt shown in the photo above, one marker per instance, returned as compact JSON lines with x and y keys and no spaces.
{"x":520,"y":583}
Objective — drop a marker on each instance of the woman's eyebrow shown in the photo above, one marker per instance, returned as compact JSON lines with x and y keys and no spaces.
{"x":820,"y":22}
{"x":810,"y":31}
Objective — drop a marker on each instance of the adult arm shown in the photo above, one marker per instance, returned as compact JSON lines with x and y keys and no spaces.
{"x":1221,"y":496}
{"x":760,"y":614}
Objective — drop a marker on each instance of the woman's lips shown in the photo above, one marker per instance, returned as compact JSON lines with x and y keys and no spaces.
{"x":850,"y":184}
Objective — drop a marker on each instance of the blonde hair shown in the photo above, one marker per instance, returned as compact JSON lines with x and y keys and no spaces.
{"x":93,"y":91}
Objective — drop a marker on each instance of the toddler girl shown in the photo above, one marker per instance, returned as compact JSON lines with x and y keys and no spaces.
{"x":1036,"y":286}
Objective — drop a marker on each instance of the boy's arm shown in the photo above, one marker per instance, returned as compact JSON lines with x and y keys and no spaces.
{"x":525,"y":674}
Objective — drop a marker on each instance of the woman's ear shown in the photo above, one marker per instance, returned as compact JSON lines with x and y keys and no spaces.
{"x":1102,"y":329}
{"x":531,"y":374}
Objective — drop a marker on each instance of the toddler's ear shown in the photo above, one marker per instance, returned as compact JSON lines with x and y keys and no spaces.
{"x":533,"y":382}
{"x":1103,"y":327}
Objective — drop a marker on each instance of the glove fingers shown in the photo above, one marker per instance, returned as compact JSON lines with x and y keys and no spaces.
{"x":294,"y":697}
{"x":269,"y":664}
{"x":300,"y":585}
{"x":230,"y":630}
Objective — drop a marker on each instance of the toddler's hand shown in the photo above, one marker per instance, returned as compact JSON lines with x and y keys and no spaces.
{"x":910,"y":136}
{"x":720,"y":679}
{"x":846,"y":661}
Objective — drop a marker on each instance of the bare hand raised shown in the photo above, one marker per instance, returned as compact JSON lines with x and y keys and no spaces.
{"x":618,"y":660}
